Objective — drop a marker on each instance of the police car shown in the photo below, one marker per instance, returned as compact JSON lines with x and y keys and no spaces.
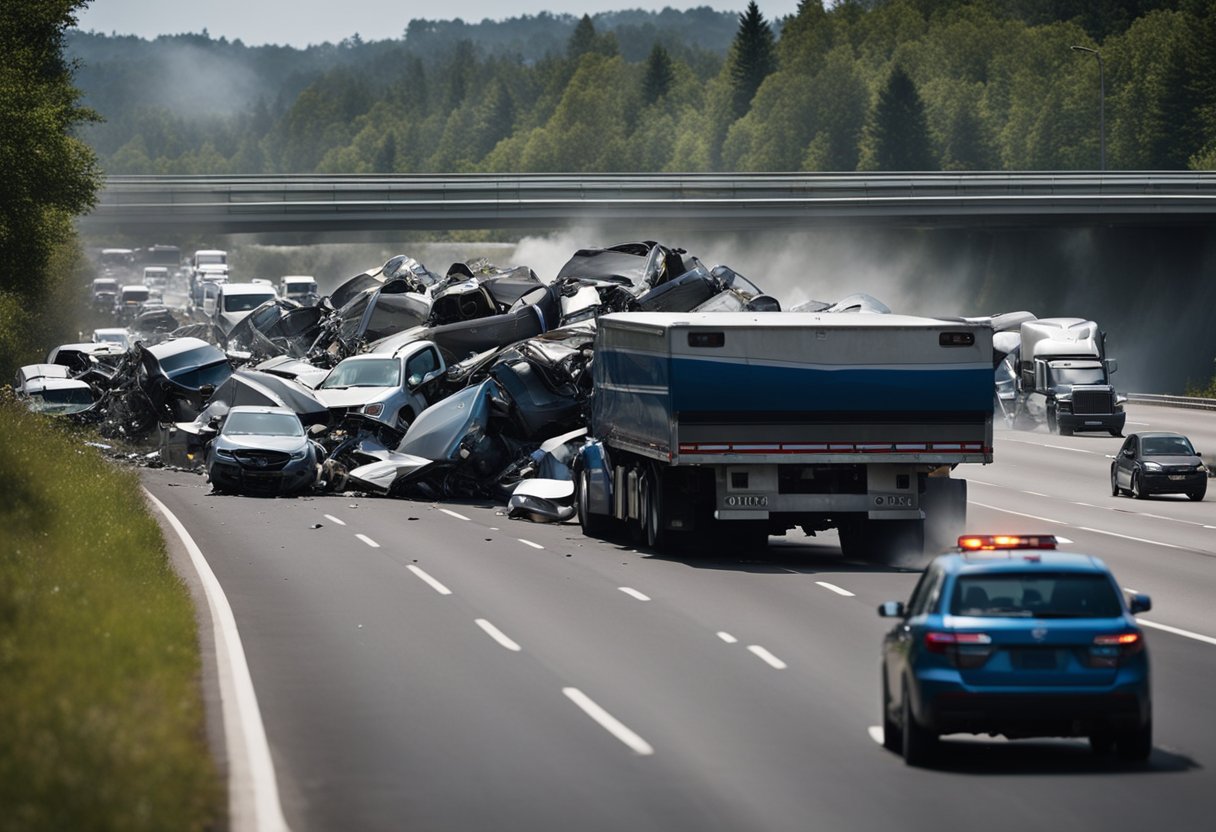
{"x":1009,"y":636}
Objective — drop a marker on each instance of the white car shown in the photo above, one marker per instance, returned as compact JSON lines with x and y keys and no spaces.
{"x":386,"y":388}
{"x":233,"y":301}
{"x":113,"y":335}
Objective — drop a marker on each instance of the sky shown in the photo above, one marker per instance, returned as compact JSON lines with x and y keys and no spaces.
{"x":303,"y":22}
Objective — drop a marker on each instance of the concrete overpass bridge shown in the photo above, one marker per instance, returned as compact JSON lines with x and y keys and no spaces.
{"x":338,"y":204}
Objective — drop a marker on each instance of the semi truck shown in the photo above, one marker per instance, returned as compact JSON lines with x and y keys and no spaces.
{"x":743,"y":425}
{"x":1064,"y":378}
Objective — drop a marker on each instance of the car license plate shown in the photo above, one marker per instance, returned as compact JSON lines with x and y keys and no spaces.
{"x":1035,"y":659}
{"x":1177,"y":476}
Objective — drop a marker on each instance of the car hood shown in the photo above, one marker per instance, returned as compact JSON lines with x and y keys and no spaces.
{"x":256,"y":442}
{"x":352,"y":396}
{"x":1181,"y":459}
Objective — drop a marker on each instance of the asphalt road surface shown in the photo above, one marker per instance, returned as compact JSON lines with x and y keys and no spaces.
{"x":440,"y":667}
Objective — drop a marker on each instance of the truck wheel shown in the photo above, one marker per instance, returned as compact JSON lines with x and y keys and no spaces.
{"x":1053,"y":426}
{"x":1065,"y":431}
{"x":593,"y":525}
{"x":654,"y":518}
{"x":894,"y":541}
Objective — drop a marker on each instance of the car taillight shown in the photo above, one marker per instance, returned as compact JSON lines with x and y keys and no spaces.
{"x":1110,"y":649}
{"x":965,"y":650}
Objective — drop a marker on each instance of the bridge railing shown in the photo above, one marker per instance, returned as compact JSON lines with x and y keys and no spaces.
{"x":1166,"y":400}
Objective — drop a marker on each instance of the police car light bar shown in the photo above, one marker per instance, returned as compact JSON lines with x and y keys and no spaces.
{"x":989,"y":542}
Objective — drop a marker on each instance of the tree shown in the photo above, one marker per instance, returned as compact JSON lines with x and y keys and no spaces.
{"x":659,"y":75}
{"x":49,"y":174}
{"x":582,"y":40}
{"x":753,"y":58}
{"x":898,"y":133}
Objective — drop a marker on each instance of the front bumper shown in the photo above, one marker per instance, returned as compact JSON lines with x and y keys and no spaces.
{"x":293,"y":477}
{"x":1092,"y":421}
{"x":1152,"y":483}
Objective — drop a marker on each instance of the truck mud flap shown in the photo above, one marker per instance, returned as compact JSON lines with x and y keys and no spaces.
{"x":944,"y":503}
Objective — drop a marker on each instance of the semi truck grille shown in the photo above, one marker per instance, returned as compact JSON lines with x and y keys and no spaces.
{"x":1092,"y":402}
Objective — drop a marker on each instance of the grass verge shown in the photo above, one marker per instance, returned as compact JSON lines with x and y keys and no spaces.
{"x":101,"y":714}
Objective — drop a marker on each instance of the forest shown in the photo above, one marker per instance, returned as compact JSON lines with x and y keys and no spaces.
{"x":951,"y":85}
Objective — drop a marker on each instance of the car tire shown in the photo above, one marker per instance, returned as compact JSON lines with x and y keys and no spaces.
{"x":1136,"y":744}
{"x":1137,"y":491}
{"x":1115,"y":490}
{"x":1198,"y":494}
{"x":1101,"y":743}
{"x":891,"y":738}
{"x":1118,"y":434}
{"x":919,"y":743}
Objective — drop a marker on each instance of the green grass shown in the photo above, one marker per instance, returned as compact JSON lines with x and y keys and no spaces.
{"x":101,"y":715}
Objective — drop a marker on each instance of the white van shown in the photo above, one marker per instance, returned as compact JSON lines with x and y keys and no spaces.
{"x":301,"y":288}
{"x":231,"y":302}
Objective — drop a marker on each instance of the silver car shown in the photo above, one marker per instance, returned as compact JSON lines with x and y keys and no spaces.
{"x":262,"y":450}
{"x":386,"y":388}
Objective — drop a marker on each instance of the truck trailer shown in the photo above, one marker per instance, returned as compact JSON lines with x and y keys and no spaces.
{"x":743,"y":425}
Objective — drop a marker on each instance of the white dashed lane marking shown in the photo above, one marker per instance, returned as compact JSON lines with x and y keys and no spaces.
{"x":368,"y":541}
{"x":429,"y":581}
{"x":608,"y":722}
{"x":455,"y":514}
{"x":333,"y":519}
{"x":633,"y":593}
{"x":529,"y":543}
{"x":835,"y":589}
{"x":767,"y":657}
{"x":727,"y":637}
{"x":497,"y":634}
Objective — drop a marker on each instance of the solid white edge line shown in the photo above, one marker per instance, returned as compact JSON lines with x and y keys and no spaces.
{"x":767,"y":657}
{"x":608,"y":722}
{"x":497,"y":634}
{"x":633,"y":593}
{"x":727,"y":637}
{"x":253,"y":791}
{"x":529,"y":543}
{"x":1177,"y":631}
{"x":368,"y":541}
{"x":1066,"y":448}
{"x":836,"y":589}
{"x":333,"y":519}
{"x":429,"y":581}
{"x":455,"y":514}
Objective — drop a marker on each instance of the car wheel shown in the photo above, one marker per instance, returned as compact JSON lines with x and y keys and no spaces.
{"x":1065,"y":431}
{"x":1116,"y":433}
{"x":1137,"y":491}
{"x":1137,"y":743}
{"x":1115,"y":490}
{"x":919,"y":743}
{"x":1197,"y":495}
{"x":891,"y":739}
{"x":1101,"y":743}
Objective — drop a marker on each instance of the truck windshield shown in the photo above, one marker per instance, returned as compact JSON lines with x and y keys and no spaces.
{"x":1069,"y":376}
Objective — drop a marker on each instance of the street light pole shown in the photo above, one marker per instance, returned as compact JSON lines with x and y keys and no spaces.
{"x":1101,"y":99}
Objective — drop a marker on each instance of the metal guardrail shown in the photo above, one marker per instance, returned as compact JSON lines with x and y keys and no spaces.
{"x":1165,"y":400}
{"x":726,"y":200}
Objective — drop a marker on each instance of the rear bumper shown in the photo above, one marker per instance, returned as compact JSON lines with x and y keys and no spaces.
{"x":1036,"y":713}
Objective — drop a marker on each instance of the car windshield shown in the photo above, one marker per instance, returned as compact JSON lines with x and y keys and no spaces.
{"x":1078,"y":375}
{"x":112,"y":337}
{"x":62,"y":401}
{"x":1035,"y":595}
{"x":1167,"y":446}
{"x":134,"y":295}
{"x":243,"y":303}
{"x":376,"y":372}
{"x":263,"y":424}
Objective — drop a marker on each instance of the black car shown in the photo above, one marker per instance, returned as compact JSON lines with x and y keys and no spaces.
{"x":1158,"y":463}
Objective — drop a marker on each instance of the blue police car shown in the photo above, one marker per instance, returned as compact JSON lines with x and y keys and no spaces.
{"x":1008,"y":636}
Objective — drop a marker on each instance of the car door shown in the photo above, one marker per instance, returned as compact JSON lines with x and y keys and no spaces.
{"x":1125,"y":461}
{"x":897,"y":646}
{"x":420,"y":368}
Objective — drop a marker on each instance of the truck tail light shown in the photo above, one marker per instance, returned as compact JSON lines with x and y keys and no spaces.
{"x":1110,"y":649}
{"x":964,"y":650}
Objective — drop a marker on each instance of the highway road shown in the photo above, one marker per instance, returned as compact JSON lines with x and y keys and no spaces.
{"x":429,"y":666}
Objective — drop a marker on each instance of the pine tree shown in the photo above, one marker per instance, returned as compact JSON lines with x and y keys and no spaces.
{"x":582,"y":40}
{"x":386,"y":155}
{"x":659,"y":75}
{"x":753,"y":58}
{"x":898,"y":132}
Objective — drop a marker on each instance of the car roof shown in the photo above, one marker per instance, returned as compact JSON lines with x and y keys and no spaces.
{"x":248,"y":289}
{"x":1020,"y":561}
{"x":40,"y":384}
{"x":1154,"y":434}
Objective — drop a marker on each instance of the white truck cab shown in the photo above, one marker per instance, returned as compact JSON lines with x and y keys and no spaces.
{"x":229,"y":303}
{"x":301,"y":288}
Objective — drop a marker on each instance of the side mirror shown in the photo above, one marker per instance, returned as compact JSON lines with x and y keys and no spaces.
{"x":414,"y":380}
{"x":1140,"y":603}
{"x":891,"y":609}
{"x":1129,"y":453}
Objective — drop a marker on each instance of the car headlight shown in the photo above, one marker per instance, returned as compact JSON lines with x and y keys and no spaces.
{"x":373,"y":409}
{"x":1152,"y":466}
{"x":300,"y":454}
{"x":1201,"y":468}
{"x":223,"y":454}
